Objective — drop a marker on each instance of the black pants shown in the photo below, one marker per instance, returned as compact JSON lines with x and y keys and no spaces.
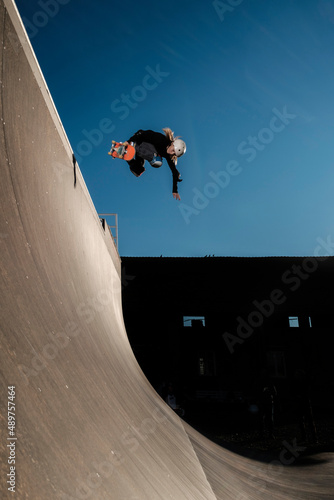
{"x":137,"y":165}
{"x":144,"y":151}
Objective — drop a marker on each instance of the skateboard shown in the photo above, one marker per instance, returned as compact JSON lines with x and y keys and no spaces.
{"x":122,"y":150}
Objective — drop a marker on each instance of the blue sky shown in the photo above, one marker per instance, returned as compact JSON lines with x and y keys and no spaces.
{"x":248,"y":84}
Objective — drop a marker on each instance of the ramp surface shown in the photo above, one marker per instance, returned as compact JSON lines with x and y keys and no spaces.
{"x":87,"y":422}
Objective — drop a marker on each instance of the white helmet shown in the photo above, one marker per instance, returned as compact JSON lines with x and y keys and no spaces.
{"x":179,"y":147}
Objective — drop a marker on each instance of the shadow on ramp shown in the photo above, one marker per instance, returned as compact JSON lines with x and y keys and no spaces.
{"x":87,"y":422}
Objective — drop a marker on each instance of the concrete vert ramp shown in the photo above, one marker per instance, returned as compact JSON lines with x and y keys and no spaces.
{"x":87,"y":422}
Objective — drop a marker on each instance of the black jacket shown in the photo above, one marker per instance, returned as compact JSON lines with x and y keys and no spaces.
{"x":161,"y":143}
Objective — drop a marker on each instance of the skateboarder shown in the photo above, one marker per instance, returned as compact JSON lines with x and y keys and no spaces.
{"x":153,"y":147}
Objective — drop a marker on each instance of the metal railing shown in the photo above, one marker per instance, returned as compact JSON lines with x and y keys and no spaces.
{"x":112,"y":228}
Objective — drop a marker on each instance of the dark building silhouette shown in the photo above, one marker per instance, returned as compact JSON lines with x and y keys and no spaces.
{"x":215,"y":325}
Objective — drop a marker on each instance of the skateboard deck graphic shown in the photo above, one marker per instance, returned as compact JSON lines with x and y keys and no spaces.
{"x":122,"y":150}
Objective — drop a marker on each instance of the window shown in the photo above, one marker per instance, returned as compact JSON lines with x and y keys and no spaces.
{"x":293,"y":321}
{"x":207,"y":364}
{"x":201,"y":366}
{"x":276,"y":364}
{"x":193,"y":321}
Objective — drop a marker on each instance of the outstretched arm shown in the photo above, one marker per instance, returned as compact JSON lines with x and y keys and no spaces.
{"x":176,"y":178}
